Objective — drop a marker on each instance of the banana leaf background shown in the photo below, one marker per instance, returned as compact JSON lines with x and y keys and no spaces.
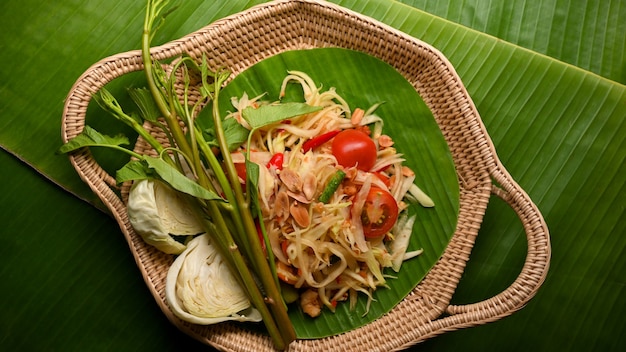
{"x":547,"y":78}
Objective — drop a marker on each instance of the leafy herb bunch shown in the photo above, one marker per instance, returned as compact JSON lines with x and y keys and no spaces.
{"x":198,"y":164}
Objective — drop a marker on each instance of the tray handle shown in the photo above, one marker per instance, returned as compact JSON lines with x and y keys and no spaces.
{"x":534,"y":270}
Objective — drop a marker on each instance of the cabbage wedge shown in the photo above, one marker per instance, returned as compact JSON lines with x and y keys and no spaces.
{"x":156,"y":212}
{"x":201,"y":289}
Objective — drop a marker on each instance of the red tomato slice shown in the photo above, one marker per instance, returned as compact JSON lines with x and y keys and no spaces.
{"x":380,"y":213}
{"x":353,"y":147}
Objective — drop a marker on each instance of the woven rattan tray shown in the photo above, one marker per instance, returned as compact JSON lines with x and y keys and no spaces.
{"x":240,"y":41}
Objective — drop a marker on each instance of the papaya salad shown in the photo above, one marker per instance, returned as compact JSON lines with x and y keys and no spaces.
{"x":333,"y":193}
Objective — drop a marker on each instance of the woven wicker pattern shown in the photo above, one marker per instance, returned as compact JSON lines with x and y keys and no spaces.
{"x":242,"y":40}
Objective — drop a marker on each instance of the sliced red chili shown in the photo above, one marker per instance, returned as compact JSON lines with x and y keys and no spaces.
{"x":276,"y":161}
{"x":318,"y":140}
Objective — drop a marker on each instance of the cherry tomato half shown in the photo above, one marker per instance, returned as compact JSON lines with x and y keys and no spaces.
{"x":380,"y":213}
{"x":353,"y":147}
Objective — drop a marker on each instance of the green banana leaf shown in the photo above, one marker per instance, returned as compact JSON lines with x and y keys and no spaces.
{"x":588,"y":34}
{"x":547,"y":79}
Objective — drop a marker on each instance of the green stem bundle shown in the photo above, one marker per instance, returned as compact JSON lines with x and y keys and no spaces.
{"x":239,"y":243}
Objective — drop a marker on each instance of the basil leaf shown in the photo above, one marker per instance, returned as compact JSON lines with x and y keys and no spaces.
{"x":132,"y":171}
{"x":268,"y":114}
{"x":235,"y":133}
{"x":178,"y":180}
{"x":92,"y":138}
{"x":252,"y":178}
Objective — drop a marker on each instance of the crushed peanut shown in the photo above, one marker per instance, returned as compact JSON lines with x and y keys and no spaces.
{"x":384,"y":141}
